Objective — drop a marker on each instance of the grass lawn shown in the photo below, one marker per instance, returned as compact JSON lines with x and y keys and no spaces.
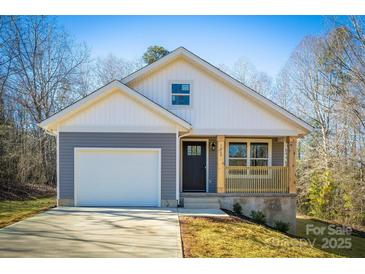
{"x":14,"y":211}
{"x":357,"y":249}
{"x":234,"y":238}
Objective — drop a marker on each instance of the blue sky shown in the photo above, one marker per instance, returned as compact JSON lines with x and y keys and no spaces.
{"x":266,"y":41}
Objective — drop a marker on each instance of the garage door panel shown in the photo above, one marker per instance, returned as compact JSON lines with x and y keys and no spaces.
{"x":117,"y":177}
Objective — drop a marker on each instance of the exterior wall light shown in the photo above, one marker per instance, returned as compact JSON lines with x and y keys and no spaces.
{"x":212,"y":145}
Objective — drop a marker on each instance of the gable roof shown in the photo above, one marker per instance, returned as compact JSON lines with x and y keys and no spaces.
{"x":103,"y":91}
{"x":183,"y":52}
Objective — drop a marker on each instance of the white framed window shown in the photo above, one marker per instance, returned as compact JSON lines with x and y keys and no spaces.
{"x":237,"y":154}
{"x":259,"y":154}
{"x":180,"y":94}
{"x":248,"y":152}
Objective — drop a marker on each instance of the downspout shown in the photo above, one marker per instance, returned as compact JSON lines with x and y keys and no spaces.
{"x":186,"y":134}
{"x":178,"y":138}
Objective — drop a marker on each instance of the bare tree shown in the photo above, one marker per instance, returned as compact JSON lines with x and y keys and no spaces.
{"x":345,"y":62}
{"x":45,"y":67}
{"x":46,"y":64}
{"x":113,"y":67}
{"x":245,"y":72}
{"x":330,"y":173}
{"x":282,"y":93}
{"x":315,"y":99}
{"x":5,"y":62}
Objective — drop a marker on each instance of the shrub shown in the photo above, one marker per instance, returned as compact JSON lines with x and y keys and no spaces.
{"x":281,"y":226}
{"x":237,"y":208}
{"x":258,"y":216}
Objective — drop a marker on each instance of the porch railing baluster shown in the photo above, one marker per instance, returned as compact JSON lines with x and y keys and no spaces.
{"x":257,"y":179}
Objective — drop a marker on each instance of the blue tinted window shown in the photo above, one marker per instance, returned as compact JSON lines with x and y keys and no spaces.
{"x":180,"y":99}
{"x":181,"y":88}
{"x":180,"y":94}
{"x":237,"y":150}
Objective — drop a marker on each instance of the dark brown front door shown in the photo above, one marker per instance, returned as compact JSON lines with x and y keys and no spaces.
{"x":194,"y":166}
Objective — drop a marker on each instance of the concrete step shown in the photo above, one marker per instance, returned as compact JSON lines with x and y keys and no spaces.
{"x":202,"y":198}
{"x":201,"y":202}
{"x":202,"y":206}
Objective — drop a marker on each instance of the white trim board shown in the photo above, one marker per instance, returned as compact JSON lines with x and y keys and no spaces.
{"x":80,"y":149}
{"x":177,"y":167}
{"x":244,"y":132}
{"x":58,"y":165}
{"x":103,"y":128}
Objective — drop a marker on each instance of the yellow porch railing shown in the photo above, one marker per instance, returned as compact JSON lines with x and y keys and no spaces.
{"x":256,"y":179}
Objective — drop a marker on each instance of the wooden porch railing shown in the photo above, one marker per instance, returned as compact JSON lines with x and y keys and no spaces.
{"x":256,"y":179}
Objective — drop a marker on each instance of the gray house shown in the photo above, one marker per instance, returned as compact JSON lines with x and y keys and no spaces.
{"x":177,"y":132}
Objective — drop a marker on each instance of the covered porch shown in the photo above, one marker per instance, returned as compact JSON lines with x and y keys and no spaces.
{"x":256,"y":172}
{"x":246,"y":165}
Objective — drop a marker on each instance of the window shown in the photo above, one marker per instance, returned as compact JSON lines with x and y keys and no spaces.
{"x":249,"y":152}
{"x":259,"y":154}
{"x":194,"y":150}
{"x":237,"y":154}
{"x":180,"y":94}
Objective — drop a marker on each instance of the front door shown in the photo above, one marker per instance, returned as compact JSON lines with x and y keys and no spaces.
{"x":194,"y":166}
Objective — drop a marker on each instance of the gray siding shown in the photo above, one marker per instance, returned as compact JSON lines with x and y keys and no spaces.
{"x":69,"y":140}
{"x":212,"y":176}
{"x":277,"y":153}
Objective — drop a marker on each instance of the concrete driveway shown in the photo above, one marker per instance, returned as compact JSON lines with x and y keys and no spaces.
{"x":94,"y":232}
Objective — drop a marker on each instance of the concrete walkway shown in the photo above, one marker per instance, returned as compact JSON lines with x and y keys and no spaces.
{"x":95,"y":232}
{"x":201,"y":212}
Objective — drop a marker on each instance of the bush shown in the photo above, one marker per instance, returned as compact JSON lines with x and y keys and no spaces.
{"x":281,"y":226}
{"x":237,"y":208}
{"x":258,"y":216}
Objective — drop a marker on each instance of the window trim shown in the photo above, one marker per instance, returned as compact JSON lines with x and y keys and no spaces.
{"x":248,"y":159}
{"x":170,"y":82}
{"x":249,"y":141}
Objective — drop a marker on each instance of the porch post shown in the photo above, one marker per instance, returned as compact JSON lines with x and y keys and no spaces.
{"x":220,"y":165}
{"x":292,"y":151}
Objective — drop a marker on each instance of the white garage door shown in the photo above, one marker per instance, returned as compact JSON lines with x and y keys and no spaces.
{"x":117,"y":177}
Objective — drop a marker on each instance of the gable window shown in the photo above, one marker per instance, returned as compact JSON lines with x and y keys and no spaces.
{"x":248,"y":152}
{"x":180,"y":94}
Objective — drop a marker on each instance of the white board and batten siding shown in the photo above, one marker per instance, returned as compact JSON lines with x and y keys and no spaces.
{"x":215,"y":107}
{"x":117,"y":112}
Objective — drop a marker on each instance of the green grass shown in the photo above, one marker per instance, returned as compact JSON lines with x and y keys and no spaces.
{"x":357,"y":249}
{"x":14,"y":211}
{"x":234,"y":238}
